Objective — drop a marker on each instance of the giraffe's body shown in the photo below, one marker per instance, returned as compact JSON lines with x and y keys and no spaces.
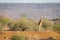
{"x":40,"y":25}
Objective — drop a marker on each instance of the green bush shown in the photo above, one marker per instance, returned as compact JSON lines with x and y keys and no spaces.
{"x":47,"y":24}
{"x":10,"y":25}
{"x":4,"y":20}
{"x":1,"y":28}
{"x":56,"y":27}
{"x":16,"y":37}
{"x":24,"y":25}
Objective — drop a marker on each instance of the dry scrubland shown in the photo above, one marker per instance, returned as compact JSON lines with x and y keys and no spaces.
{"x":29,"y":29}
{"x":6,"y":35}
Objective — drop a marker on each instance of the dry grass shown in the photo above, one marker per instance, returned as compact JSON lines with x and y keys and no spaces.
{"x":8,"y":34}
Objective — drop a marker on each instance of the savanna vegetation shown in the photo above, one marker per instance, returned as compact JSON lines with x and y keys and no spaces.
{"x":17,"y":37}
{"x":24,"y":37}
{"x":25,"y":24}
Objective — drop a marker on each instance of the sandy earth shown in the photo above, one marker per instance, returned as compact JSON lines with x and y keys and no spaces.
{"x":6,"y":35}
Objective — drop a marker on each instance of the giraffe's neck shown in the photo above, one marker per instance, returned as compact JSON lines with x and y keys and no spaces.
{"x":40,"y":25}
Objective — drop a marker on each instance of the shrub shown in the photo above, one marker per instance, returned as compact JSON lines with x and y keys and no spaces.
{"x":16,"y":37}
{"x":56,"y":27}
{"x":50,"y":38}
{"x":1,"y":28}
{"x":47,"y":24}
{"x":24,"y":25}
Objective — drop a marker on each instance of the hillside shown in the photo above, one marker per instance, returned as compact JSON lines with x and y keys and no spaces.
{"x":32,"y":10}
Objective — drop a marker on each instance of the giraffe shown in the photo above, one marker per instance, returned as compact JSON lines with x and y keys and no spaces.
{"x":40,"y":25}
